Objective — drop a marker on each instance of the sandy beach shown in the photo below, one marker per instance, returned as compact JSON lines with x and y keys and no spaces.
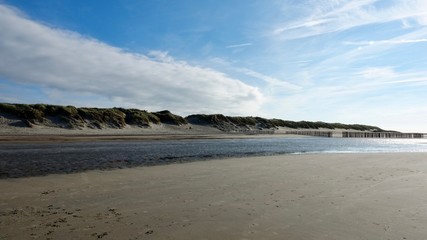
{"x":326,"y":196}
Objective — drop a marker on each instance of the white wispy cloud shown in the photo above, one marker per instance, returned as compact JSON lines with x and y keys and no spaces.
{"x":239,"y":45}
{"x":391,"y":42}
{"x":334,"y":16}
{"x":388,"y":75}
{"x":370,"y":79}
{"x":67,"y":62}
{"x":271,"y":82}
{"x":366,"y":54}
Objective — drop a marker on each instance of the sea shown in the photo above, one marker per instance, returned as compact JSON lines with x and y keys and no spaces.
{"x":35,"y":159}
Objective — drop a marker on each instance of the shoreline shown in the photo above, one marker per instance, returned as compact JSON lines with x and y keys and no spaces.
{"x":53,"y":138}
{"x":106,"y":136}
{"x":313,"y":196}
{"x":40,"y":133}
{"x":155,"y":132}
{"x":25,"y":156}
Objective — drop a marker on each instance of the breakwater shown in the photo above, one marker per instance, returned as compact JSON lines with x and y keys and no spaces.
{"x":348,"y":134}
{"x":312,"y":133}
{"x":381,"y":135}
{"x":253,"y":131}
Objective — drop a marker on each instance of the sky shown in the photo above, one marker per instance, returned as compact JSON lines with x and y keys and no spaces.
{"x":345,"y":61}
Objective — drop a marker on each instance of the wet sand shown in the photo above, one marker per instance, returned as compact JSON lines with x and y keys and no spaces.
{"x":323,"y":196}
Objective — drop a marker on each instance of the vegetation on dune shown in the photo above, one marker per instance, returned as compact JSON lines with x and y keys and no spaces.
{"x":72,"y":117}
{"x":261,"y":123}
{"x":98,"y":118}
{"x":28,"y":114}
{"x":140,"y":118}
{"x":103,"y":117}
{"x":169,"y":118}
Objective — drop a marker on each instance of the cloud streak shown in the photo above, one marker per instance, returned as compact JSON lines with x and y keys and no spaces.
{"x":33,"y":53}
{"x":239,"y":45}
{"x":390,"y":42}
{"x":327,"y":17}
{"x":273,"y":83}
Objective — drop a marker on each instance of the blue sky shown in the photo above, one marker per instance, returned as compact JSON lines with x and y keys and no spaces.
{"x":343,"y":61}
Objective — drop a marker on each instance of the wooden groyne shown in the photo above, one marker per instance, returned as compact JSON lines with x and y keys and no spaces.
{"x":253,"y":131}
{"x":312,"y":133}
{"x":381,"y":135}
{"x":348,"y":134}
{"x":330,"y":134}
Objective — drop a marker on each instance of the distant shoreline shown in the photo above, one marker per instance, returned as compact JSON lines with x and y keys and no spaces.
{"x":135,"y":137}
{"x":54,"y":136}
{"x":43,"y":123}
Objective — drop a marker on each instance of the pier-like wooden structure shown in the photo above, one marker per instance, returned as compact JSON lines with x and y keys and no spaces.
{"x":350,"y":134}
{"x":311,"y":133}
{"x":381,"y":135}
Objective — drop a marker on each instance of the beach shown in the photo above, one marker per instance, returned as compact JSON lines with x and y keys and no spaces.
{"x":307,"y":196}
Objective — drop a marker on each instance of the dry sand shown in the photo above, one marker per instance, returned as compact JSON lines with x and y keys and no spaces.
{"x":13,"y":130}
{"x":155,"y":132}
{"x":330,"y":196}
